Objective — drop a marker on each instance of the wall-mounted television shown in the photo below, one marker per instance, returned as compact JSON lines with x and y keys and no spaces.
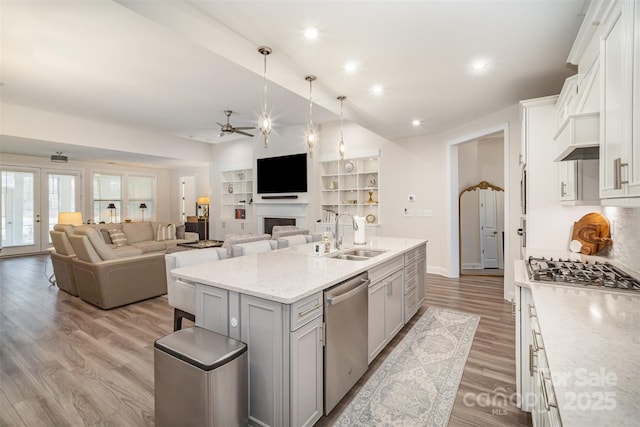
{"x":282,"y":174}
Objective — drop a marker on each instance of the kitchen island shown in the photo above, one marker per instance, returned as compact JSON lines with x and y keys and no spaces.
{"x":579,"y":353}
{"x":274,"y":302}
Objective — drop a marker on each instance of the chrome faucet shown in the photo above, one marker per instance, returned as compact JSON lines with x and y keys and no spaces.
{"x":337,"y":238}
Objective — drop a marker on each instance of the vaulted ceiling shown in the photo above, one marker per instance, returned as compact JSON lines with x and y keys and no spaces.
{"x":173,"y":67}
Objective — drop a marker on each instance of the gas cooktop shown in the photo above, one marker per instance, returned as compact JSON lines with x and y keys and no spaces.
{"x":581,"y":273}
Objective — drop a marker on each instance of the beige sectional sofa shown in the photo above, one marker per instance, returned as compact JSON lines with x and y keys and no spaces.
{"x":109,"y":274}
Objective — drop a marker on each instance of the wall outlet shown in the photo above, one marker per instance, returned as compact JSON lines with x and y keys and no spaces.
{"x":412,"y":197}
{"x":419,"y":213}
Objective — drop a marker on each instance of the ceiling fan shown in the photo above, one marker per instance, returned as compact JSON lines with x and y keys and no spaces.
{"x":227,"y":128}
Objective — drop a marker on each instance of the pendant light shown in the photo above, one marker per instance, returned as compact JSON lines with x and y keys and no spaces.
{"x":265,"y":119}
{"x":311,"y":136}
{"x":341,"y":149}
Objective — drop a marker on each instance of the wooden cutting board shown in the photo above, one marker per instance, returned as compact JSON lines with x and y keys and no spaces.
{"x":593,"y":232}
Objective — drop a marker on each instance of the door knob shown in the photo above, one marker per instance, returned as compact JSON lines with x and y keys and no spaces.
{"x":520,"y":232}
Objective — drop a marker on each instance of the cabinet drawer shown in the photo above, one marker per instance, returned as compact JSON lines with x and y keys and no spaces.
{"x":306,"y":310}
{"x":410,"y":304}
{"x":380,"y":271}
{"x":411,"y":269}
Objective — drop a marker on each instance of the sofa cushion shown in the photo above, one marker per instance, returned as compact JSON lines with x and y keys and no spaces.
{"x":166,"y":232}
{"x":137,"y":231}
{"x":117,"y":237}
{"x":150,"y":246}
{"x":95,"y":239}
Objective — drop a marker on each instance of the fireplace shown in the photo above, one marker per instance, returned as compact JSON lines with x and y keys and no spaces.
{"x":287,"y":212}
{"x":268,"y":223}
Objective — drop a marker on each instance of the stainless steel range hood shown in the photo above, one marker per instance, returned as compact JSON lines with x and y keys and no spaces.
{"x":579,"y":137}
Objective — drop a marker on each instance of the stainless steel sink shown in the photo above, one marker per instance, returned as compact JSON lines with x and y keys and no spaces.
{"x":366,"y":253}
{"x":352,"y":257}
{"x":359,"y":254}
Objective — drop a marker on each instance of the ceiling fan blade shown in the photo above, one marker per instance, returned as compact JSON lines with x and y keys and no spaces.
{"x":242,"y":133}
{"x":245,"y":127}
{"x":221,"y":134}
{"x":219,"y":124}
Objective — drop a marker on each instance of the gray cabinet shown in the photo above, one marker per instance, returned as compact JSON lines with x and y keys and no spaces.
{"x":307,"y":373}
{"x":212,"y":308}
{"x":414,"y":280}
{"x":385,"y":311}
{"x":285,"y":351}
{"x":263,"y":329}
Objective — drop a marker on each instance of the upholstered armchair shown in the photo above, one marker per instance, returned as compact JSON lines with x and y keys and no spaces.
{"x":182,"y":295}
{"x":62,"y":257}
{"x":108,"y":281}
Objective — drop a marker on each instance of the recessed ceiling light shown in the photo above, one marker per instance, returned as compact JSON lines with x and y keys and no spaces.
{"x":311,"y":33}
{"x":479,"y":64}
{"x":351,"y":67}
{"x":416,"y":122}
{"x":377,"y":89}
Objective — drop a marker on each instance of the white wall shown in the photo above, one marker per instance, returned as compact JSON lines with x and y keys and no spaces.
{"x":41,"y":125}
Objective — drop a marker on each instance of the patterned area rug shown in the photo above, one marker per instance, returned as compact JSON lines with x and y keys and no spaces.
{"x":417,"y":384}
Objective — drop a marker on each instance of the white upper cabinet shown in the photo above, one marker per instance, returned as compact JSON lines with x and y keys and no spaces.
{"x":619,"y":130}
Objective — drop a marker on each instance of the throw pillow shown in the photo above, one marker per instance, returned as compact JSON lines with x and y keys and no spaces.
{"x":117,"y":237}
{"x":180,"y":230}
{"x":166,"y":232}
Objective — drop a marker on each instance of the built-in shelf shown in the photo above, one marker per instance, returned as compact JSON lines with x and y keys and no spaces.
{"x":236,"y":189}
{"x":351,"y":186}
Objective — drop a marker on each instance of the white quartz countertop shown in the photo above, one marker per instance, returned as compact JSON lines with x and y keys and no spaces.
{"x":290,"y":274}
{"x":592,"y":341}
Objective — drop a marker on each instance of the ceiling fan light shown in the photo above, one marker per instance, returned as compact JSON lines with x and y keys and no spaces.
{"x":341,"y":149}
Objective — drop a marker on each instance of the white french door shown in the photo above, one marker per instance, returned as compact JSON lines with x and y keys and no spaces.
{"x":30,"y":202}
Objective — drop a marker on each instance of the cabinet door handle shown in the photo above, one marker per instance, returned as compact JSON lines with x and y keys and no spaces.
{"x":534,"y":336}
{"x":304,"y":313}
{"x":617,"y":173}
{"x":545,"y":393}
{"x":532,"y":311}
{"x":532,"y":366}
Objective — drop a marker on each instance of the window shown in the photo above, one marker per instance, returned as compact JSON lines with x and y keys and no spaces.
{"x":107,"y":189}
{"x":140,"y":190}
{"x":62,"y":195}
{"x":187,"y":197}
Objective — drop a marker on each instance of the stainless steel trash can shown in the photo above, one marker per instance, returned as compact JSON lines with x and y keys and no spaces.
{"x":201,"y":379}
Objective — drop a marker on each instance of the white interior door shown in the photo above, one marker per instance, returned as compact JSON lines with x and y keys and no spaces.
{"x":489,"y":241}
{"x":20,"y":205}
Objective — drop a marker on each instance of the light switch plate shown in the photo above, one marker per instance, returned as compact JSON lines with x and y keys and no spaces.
{"x":412,"y":197}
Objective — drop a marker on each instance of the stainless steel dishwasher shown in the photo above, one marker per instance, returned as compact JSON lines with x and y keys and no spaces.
{"x":345,"y":352}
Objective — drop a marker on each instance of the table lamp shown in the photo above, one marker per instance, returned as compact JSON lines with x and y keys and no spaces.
{"x":73,"y":218}
{"x":143,"y":206}
{"x":112,"y":207}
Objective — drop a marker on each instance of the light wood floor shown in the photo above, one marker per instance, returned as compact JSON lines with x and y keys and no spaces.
{"x":64,"y":362}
